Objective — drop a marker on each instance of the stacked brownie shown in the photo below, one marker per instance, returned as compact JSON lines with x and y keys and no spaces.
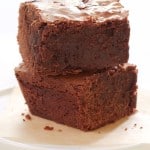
{"x":75,"y":55}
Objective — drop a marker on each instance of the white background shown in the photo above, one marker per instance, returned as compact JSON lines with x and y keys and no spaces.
{"x":139,"y":40}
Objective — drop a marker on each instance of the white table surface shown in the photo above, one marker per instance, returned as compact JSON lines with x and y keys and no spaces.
{"x":9,"y":57}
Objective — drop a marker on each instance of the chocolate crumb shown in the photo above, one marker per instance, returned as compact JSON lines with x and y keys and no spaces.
{"x":31,"y":1}
{"x":126,"y":129}
{"x":48,"y":128}
{"x":141,"y":127}
{"x":85,"y":1}
{"x":59,"y":130}
{"x":23,"y":120}
{"x":135,"y":125}
{"x":55,"y":2}
{"x":99,"y":132}
{"x":22,"y":114}
{"x":62,"y":5}
{"x":28,"y":117}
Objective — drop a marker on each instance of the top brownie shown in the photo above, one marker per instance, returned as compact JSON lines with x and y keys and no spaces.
{"x":71,"y":36}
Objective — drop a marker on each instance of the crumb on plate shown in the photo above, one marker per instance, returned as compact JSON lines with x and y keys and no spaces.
{"x":126,"y":129}
{"x":28,"y":117}
{"x":48,"y":128}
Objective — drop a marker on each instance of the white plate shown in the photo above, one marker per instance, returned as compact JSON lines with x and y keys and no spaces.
{"x":15,"y":134}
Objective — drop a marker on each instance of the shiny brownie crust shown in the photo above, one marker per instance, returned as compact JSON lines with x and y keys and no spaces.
{"x":67,"y":46}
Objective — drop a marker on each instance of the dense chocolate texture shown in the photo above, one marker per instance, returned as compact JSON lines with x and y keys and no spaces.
{"x":60,"y":37}
{"x":85,"y":101}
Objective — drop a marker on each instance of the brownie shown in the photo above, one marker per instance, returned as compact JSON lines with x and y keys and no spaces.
{"x":86,"y":101}
{"x":63,"y":36}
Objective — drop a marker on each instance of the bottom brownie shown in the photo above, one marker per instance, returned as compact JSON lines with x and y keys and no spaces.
{"x":85,"y":101}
